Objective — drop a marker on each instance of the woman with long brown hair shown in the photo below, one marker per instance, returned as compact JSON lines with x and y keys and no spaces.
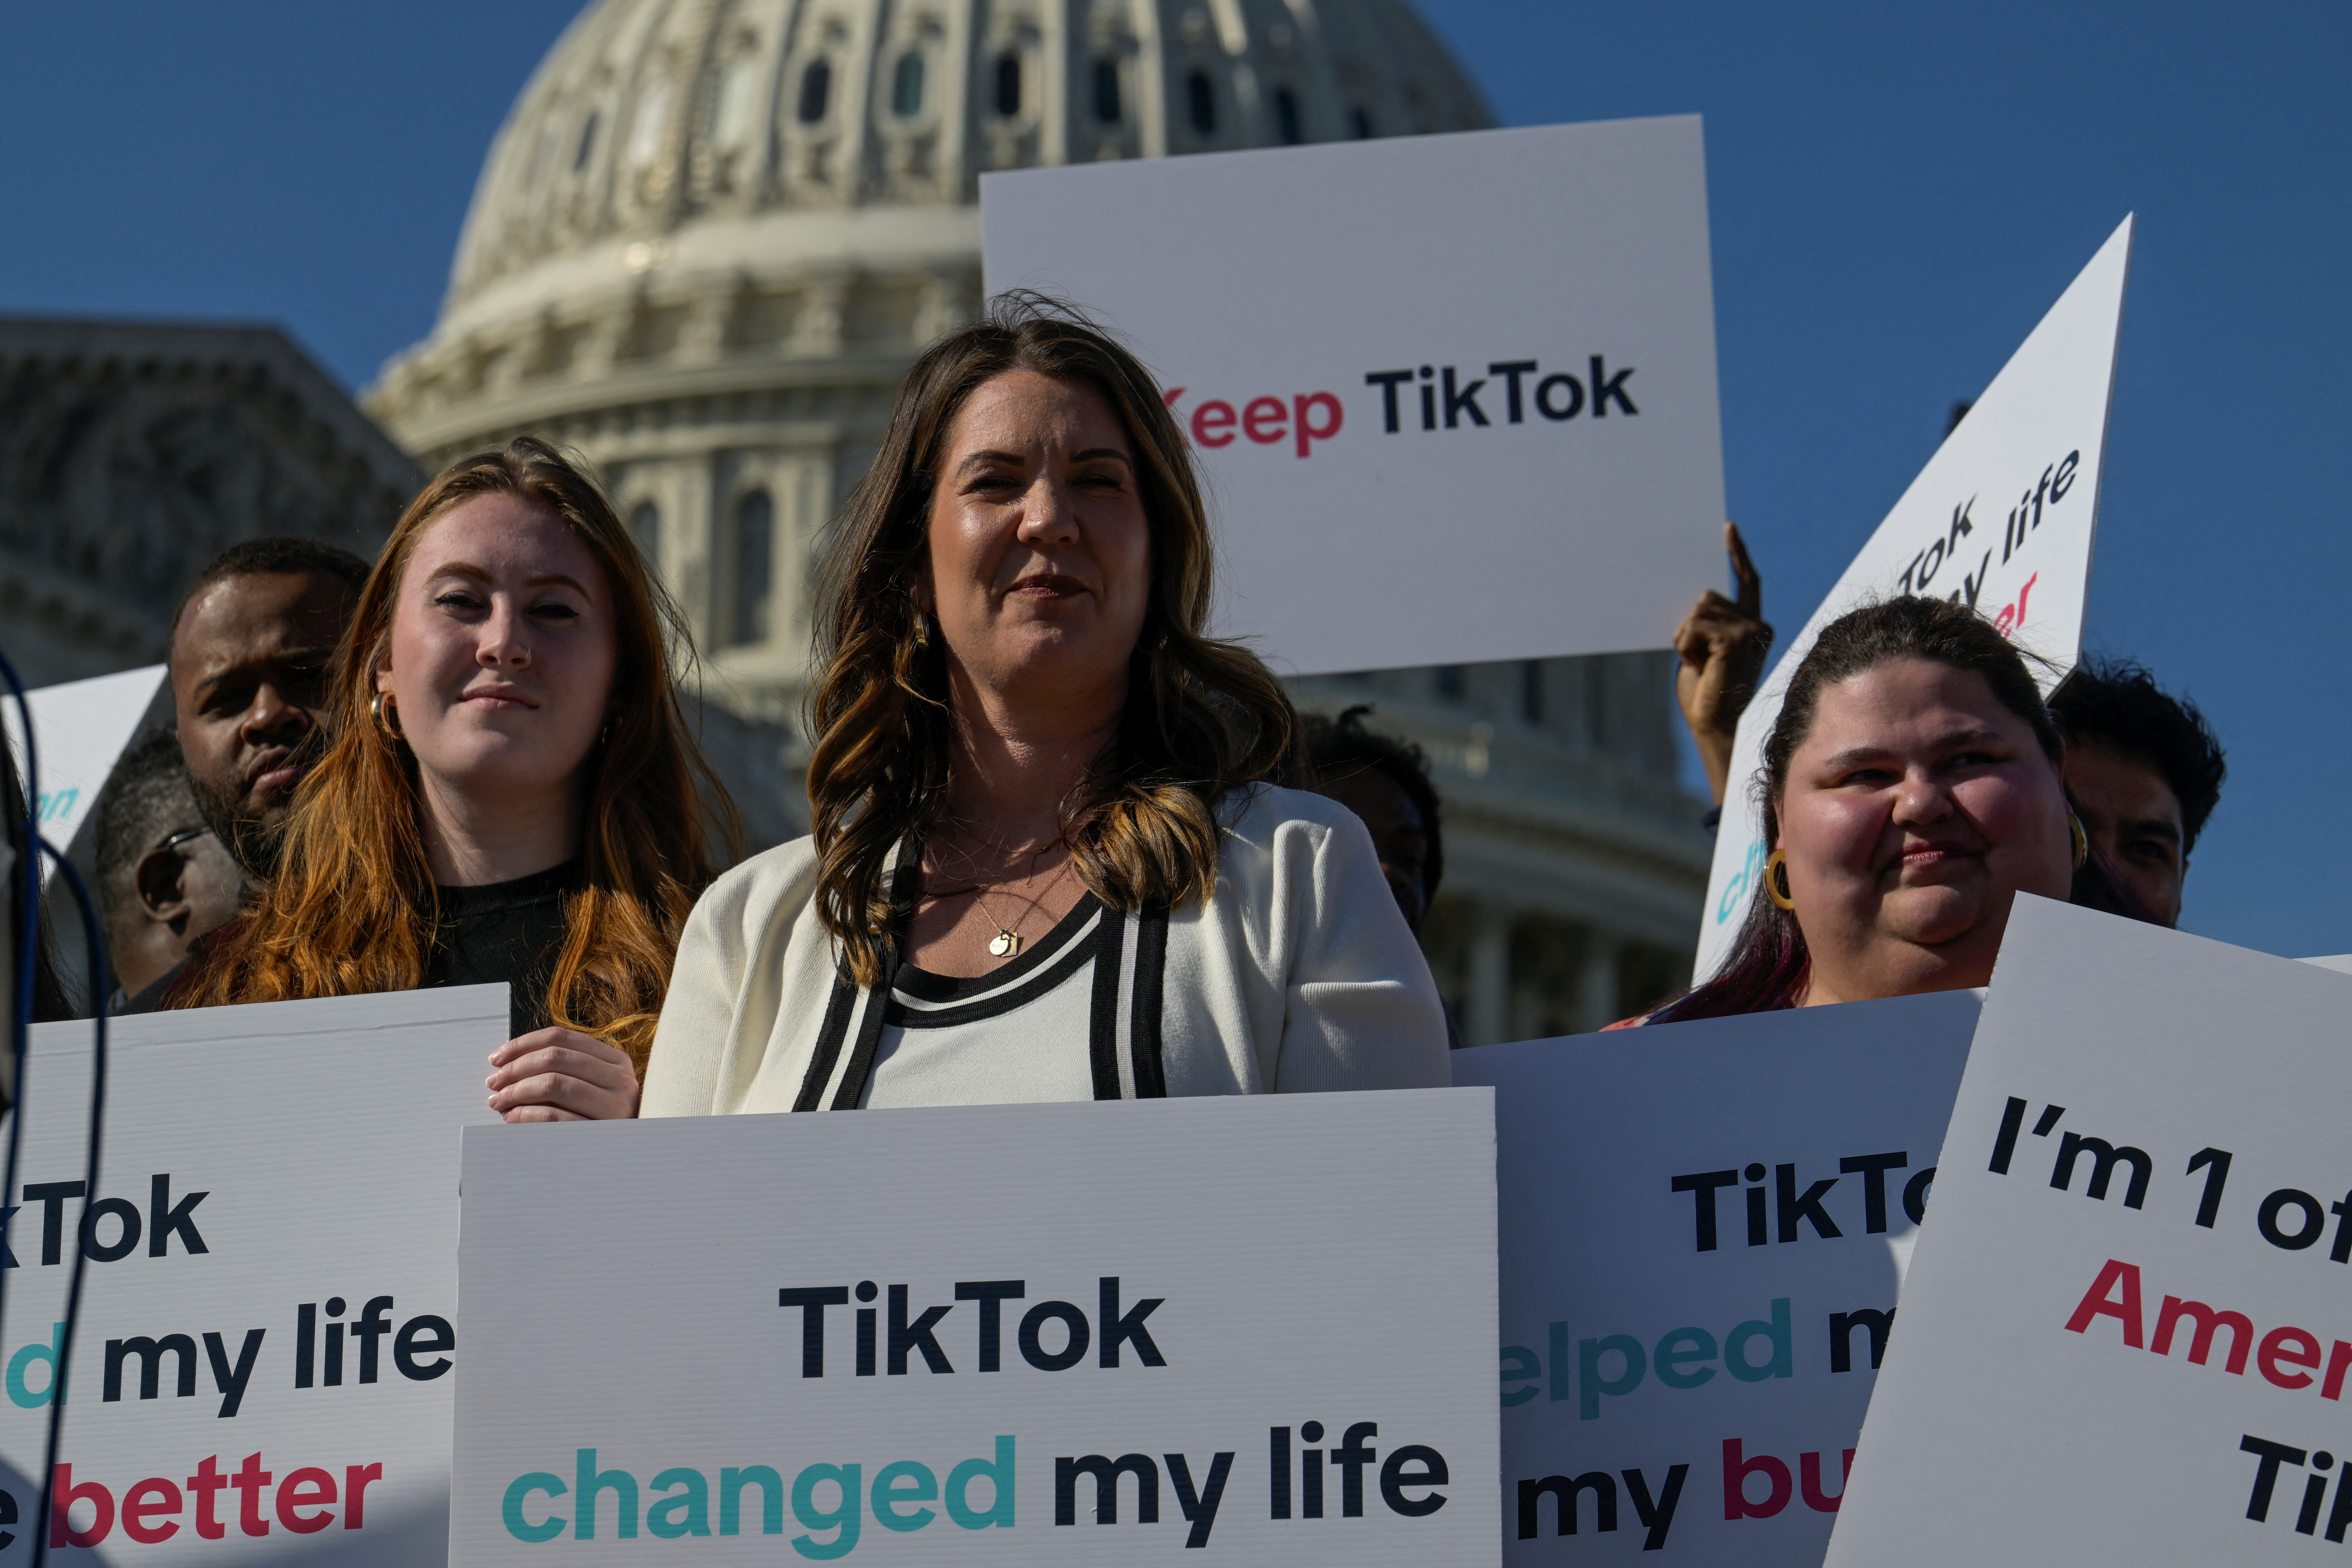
{"x":512,"y":793}
{"x":1049,"y":862}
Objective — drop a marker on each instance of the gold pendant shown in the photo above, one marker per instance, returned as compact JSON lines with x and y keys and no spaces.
{"x":1004,"y":944}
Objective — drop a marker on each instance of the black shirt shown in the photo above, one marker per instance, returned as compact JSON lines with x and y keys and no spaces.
{"x":504,"y":931}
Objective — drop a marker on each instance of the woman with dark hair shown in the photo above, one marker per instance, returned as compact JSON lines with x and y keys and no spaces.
{"x":1048,"y":859}
{"x":512,"y":793}
{"x":1911,"y":790}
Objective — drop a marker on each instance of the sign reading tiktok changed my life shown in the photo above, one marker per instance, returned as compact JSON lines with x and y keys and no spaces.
{"x":1016,"y":1335}
{"x":1454,"y":397}
{"x":1704,"y":1227}
{"x":261,"y":1369}
{"x":2002,"y":518}
{"x":2127,"y":1330}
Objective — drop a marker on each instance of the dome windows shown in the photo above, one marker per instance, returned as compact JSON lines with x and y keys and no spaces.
{"x":816,"y":91}
{"x":1201,"y":99}
{"x":1108,"y":106}
{"x":906,"y":85}
{"x":755,"y":546}
{"x":645,"y":129}
{"x":730,"y":114}
{"x":587,"y":147}
{"x":1008,"y":85}
{"x":1286,"y":117}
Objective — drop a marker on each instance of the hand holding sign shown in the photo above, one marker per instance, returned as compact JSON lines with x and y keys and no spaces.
{"x":561,"y":1074}
{"x":1722,"y":643}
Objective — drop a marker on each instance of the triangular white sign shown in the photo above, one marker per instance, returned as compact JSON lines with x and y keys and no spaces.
{"x":2002,"y":518}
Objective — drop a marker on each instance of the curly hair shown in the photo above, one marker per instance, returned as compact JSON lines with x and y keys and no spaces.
{"x":1341,"y":748}
{"x":1201,"y":719}
{"x":2117,"y":704}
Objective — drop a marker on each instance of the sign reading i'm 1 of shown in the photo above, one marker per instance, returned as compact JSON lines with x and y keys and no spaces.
{"x":2126,"y":1333}
{"x":998,"y":1334}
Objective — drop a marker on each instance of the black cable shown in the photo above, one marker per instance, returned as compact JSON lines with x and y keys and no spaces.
{"x":20,"y":1033}
{"x":97,"y":944}
{"x":20,"y":1014}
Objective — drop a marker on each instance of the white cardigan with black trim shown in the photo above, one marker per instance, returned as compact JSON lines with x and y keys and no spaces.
{"x":1298,"y":974}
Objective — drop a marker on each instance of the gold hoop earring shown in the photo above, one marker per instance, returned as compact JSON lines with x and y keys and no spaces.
{"x":922,"y":630}
{"x":1776,"y":880}
{"x":2082,"y":840}
{"x":386,"y":713}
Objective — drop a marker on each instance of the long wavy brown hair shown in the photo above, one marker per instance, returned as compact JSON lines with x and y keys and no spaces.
{"x":354,"y":908}
{"x":1201,"y":717}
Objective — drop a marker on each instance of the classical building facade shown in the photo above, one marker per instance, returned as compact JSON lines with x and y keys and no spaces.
{"x":711,"y":236}
{"x":131,"y":453}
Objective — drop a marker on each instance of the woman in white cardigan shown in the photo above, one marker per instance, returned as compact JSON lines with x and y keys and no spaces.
{"x":1048,"y":862}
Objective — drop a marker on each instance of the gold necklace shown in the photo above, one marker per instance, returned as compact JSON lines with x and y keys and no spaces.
{"x":1006,"y":942}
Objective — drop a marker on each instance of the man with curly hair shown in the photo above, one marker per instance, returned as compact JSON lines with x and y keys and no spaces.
{"x":2145,"y":772}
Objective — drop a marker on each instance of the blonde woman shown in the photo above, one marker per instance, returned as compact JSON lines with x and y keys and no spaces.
{"x":1048,"y":863}
{"x":512,"y":794}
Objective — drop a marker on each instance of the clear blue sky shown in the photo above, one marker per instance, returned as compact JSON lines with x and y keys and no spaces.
{"x":1898,"y":192}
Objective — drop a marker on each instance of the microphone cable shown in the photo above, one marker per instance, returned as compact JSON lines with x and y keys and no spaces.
{"x":42,"y":1525}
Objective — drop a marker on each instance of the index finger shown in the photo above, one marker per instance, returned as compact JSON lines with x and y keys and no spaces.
{"x":1743,"y":572}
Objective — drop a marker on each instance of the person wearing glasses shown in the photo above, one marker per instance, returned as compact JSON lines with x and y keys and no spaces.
{"x":164,"y":879}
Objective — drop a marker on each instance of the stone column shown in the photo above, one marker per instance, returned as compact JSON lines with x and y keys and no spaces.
{"x":1487,"y":1015}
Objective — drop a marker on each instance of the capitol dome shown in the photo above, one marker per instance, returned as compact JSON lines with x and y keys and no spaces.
{"x":712,"y":234}
{"x":711,"y":237}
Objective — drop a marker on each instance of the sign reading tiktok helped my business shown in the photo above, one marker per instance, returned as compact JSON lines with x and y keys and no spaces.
{"x":1704,"y":1227}
{"x":2001,"y":519}
{"x":1454,"y":396}
{"x":260,"y":1370}
{"x":2126,"y":1333}
{"x":1012,"y":1334}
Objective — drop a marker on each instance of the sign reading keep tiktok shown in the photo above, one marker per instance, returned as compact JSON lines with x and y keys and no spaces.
{"x":1454,"y":397}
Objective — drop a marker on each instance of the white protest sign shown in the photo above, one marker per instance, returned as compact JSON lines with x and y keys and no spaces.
{"x":80,"y":727}
{"x":258,"y":1372}
{"x":2002,"y":518}
{"x":2126,"y":1330}
{"x":1454,"y":395}
{"x":1702,"y":1228}
{"x":1003,"y":1334}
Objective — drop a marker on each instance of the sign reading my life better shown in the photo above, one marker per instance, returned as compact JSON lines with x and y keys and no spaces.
{"x":1454,"y":397}
{"x":2001,"y":519}
{"x":1018,"y":1334}
{"x":82,"y":727}
{"x":260,"y":1370}
{"x":2127,"y":1332}
{"x":1702,"y":1229}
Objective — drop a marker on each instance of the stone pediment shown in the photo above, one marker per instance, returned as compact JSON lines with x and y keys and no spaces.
{"x":132,"y":453}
